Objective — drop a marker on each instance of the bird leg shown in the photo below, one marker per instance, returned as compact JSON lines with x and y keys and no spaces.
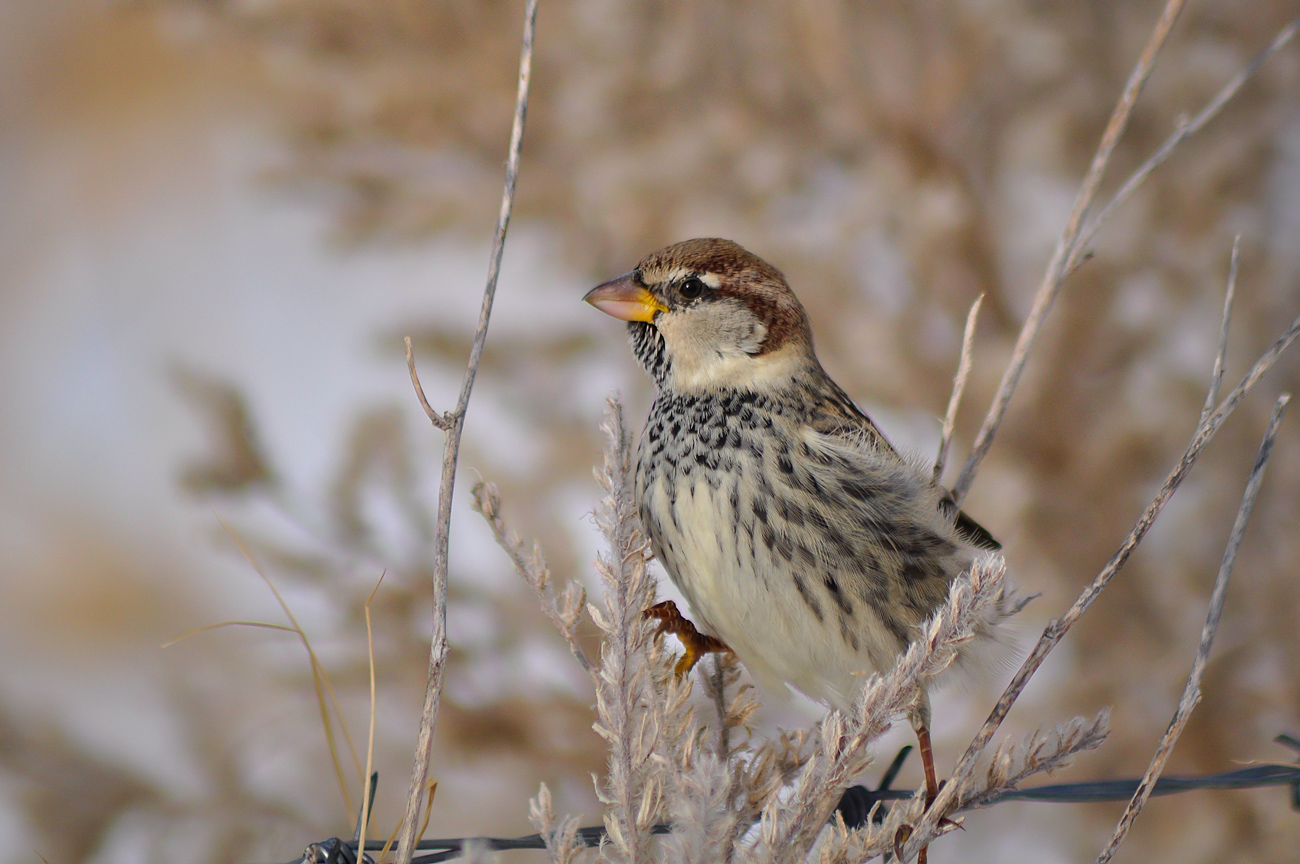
{"x":695,"y":643}
{"x":920,"y":718}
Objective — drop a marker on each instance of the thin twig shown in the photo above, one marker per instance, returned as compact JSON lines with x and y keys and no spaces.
{"x":1056,"y":268}
{"x":451,"y":453}
{"x":1186,"y":128}
{"x":1056,"y":630}
{"x":1192,"y":692}
{"x":1216,"y":377}
{"x":958,"y":387}
{"x":440,"y":421}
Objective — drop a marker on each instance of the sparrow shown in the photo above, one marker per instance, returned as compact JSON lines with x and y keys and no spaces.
{"x":802,"y":539}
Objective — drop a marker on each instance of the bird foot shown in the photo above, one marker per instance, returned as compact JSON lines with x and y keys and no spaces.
{"x":695,"y":643}
{"x":905,"y":832}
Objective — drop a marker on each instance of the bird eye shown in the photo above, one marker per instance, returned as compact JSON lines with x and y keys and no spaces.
{"x":692,"y":288}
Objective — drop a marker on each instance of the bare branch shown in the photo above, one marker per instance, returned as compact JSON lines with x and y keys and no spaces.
{"x":958,"y":387}
{"x":1216,"y":377}
{"x":441,"y":421}
{"x":1057,"y":629}
{"x":451,"y":453}
{"x":1185,"y":130}
{"x":1192,"y":692}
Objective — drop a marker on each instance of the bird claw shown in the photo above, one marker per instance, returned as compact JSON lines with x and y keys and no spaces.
{"x":900,"y":837}
{"x":694,"y":643}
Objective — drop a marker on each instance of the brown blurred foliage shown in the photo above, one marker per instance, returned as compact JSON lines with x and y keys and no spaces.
{"x":896,"y":160}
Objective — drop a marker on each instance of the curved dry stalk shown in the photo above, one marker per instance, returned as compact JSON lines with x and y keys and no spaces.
{"x":958,"y":387}
{"x":1192,"y":692}
{"x":453,"y":424}
{"x":368,"y":792}
{"x":325,"y":695}
{"x":1216,"y":377}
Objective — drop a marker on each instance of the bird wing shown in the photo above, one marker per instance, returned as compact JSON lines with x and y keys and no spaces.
{"x":842,"y":418}
{"x":971,"y":531}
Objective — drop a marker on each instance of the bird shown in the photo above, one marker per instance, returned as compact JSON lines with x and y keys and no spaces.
{"x":802,"y":539}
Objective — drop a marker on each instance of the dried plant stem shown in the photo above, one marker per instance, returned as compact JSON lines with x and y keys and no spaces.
{"x":1050,"y":287}
{"x":1185,"y":130}
{"x":1056,"y":630}
{"x":1192,"y":692}
{"x":1216,"y":377}
{"x":453,"y":424}
{"x":631,"y":711}
{"x":958,"y":387}
{"x":564,"y":609}
{"x":1046,"y":750}
{"x":715,"y":679}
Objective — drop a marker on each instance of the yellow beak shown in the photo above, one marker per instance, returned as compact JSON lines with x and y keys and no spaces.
{"x":624,"y":299}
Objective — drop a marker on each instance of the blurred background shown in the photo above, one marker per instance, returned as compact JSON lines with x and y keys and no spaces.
{"x":218,"y":219}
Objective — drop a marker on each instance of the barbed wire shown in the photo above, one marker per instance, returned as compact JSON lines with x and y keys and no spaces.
{"x":858,"y":805}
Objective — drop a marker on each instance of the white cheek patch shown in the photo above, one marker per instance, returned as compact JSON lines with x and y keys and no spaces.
{"x":716,"y":346}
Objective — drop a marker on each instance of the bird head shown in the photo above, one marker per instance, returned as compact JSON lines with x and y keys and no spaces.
{"x":706,"y":314}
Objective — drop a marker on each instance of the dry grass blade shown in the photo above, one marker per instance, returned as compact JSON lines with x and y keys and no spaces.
{"x":324,"y":690}
{"x":1192,"y":692}
{"x":263,"y":625}
{"x":451,"y":453}
{"x":320,"y":681}
{"x":367,"y":791}
{"x":1056,"y":630}
{"x":958,"y":387}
